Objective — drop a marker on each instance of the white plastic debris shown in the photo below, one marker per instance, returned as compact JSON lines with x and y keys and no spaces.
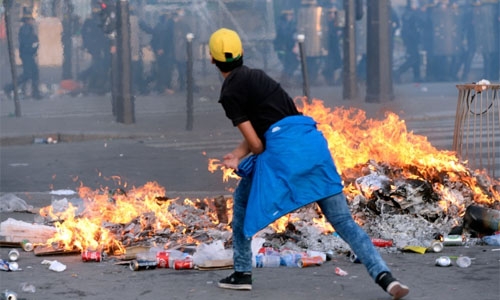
{"x":54,"y":265}
{"x":213,"y":251}
{"x":482,"y":84}
{"x":63,"y":192}
{"x":10,"y":203}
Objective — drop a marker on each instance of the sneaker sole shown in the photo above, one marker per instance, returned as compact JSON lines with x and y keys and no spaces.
{"x":399,"y":291}
{"x":235,"y":286}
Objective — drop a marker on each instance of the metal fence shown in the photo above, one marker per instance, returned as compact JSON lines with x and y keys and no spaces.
{"x":476,"y":136}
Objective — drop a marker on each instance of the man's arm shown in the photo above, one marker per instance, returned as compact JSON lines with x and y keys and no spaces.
{"x":250,"y":144}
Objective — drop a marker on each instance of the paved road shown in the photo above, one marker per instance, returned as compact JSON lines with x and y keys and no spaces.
{"x":158,"y":147}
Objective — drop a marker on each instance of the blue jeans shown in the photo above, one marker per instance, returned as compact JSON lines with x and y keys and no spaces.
{"x":337,"y":213}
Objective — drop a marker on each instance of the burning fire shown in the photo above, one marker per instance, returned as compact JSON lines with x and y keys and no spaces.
{"x":354,"y":141}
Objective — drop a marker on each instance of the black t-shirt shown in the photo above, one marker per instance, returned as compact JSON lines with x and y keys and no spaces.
{"x":251,"y":95}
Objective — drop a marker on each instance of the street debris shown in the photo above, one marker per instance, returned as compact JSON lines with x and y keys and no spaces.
{"x":10,"y":203}
{"x":54,"y":265}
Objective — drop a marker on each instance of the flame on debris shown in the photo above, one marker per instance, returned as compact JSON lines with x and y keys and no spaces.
{"x":360,"y":147}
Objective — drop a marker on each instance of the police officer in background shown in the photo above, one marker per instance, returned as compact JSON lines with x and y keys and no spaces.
{"x":284,"y":44}
{"x":28,"y":49}
{"x":412,"y":37}
{"x":96,"y":77}
{"x":333,"y":60}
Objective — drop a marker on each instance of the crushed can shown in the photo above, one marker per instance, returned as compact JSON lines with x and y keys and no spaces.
{"x":89,"y":255}
{"x":139,"y":265}
{"x":4,"y":265}
{"x":443,"y":261}
{"x":27,"y":245}
{"x":8,"y":266}
{"x":382,"y":242}
{"x":186,"y":263}
{"x":8,"y":295}
{"x":13,"y":255}
{"x":436,"y":246}
{"x":162,"y":258}
{"x":310,"y":261}
{"x":454,"y":240}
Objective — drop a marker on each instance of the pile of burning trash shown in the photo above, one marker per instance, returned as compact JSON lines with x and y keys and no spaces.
{"x":399,"y":188}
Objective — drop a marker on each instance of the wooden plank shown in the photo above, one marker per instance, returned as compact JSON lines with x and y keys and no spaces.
{"x":5,"y":244}
{"x":44,"y":250}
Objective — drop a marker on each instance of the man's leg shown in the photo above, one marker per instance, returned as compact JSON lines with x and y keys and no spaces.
{"x":338,"y":214}
{"x":241,"y":279}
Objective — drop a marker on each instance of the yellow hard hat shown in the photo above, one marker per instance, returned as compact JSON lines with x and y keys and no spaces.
{"x":225,"y":45}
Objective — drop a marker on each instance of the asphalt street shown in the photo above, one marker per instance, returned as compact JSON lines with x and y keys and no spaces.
{"x":93,"y":149}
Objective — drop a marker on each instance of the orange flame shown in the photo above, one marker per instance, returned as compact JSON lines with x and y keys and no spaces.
{"x":353,"y":141}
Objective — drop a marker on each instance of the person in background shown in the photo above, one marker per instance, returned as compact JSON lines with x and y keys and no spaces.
{"x":162,"y":45}
{"x":28,"y":50}
{"x":181,"y":29}
{"x":284,"y":163}
{"x":333,"y":60}
{"x":284,"y":44}
{"x":411,"y":35}
{"x":138,"y":81}
{"x":97,"y":77}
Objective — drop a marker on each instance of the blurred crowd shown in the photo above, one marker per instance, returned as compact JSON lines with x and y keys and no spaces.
{"x":431,"y":40}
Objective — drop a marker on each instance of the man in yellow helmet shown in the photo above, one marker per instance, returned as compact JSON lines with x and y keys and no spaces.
{"x":284,"y":162}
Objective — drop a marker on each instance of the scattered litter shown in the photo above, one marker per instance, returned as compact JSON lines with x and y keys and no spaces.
{"x":443,"y":261}
{"x":63,"y":192}
{"x":416,"y":249}
{"x":8,"y":295}
{"x":10,"y":203}
{"x":463,"y":261}
{"x":340,"y":272}
{"x":493,"y":240}
{"x":27,"y":287}
{"x":54,"y":265}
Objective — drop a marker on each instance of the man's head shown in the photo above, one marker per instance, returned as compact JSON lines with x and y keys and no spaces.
{"x":226,"y":49}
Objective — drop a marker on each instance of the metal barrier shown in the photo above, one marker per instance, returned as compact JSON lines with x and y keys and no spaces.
{"x":476,"y":137}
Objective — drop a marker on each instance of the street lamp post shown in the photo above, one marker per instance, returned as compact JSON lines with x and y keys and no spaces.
{"x":190,"y":85}
{"x":305,"y":78}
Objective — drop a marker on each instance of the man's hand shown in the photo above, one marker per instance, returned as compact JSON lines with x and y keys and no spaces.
{"x":231,"y":161}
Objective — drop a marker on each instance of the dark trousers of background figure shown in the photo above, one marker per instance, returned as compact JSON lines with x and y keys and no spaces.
{"x":313,"y":66}
{"x":181,"y":67}
{"x":332,"y":63}
{"x":96,"y":77}
{"x":361,"y":68}
{"x":412,"y":62}
{"x":30,"y":73}
{"x":289,"y":63}
{"x":162,"y":73}
{"x":443,"y":68}
{"x":138,"y":81}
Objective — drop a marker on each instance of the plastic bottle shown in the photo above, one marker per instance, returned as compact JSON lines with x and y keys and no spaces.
{"x":267,"y":261}
{"x":290,"y":258}
{"x":463,"y":261}
{"x":493,"y":240}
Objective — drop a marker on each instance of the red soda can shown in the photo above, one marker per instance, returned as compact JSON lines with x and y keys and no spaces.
{"x":310,"y":261}
{"x":186,"y":263}
{"x":162,"y":259}
{"x":382,"y":242}
{"x":89,"y":255}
